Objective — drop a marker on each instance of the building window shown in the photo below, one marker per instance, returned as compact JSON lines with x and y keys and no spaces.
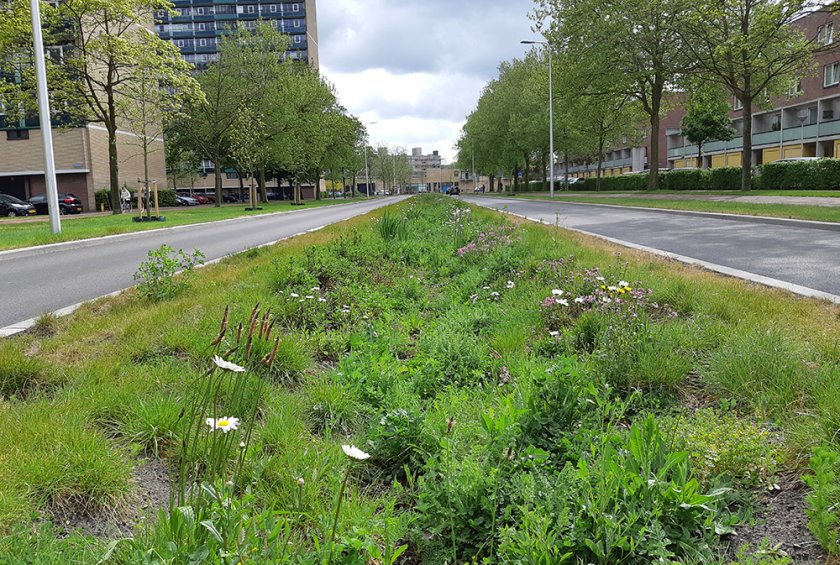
{"x":232,"y":175}
{"x":179,"y":42}
{"x":825,"y":35}
{"x":297,"y":23}
{"x":295,"y":7}
{"x":15,"y":134}
{"x":200,"y":26}
{"x":795,"y":88}
{"x":202,"y":42}
{"x":250,"y":9}
{"x":272,"y":8}
{"x":298,"y":39}
{"x":832,"y":74}
{"x":737,"y":105}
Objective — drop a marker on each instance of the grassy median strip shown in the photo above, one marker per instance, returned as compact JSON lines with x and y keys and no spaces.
{"x":15,"y":233}
{"x":440,"y":385}
{"x":792,"y":211}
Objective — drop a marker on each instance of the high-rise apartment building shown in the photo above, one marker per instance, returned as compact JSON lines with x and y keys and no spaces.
{"x":197,"y":25}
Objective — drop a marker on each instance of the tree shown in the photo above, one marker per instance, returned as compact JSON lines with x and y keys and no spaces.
{"x":109,"y":51}
{"x":749,"y":47}
{"x":628,"y":48}
{"x":247,"y":148}
{"x":707,"y":117}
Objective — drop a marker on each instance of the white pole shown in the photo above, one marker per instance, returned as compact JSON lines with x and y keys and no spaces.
{"x":550,"y":119}
{"x":44,"y":117}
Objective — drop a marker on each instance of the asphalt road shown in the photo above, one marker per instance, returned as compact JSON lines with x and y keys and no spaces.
{"x":805,"y":254}
{"x":38,"y":280}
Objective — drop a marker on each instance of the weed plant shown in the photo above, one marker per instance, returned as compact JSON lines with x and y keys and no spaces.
{"x":518,"y":395}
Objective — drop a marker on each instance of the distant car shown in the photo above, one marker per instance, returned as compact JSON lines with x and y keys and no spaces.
{"x":479,"y":189}
{"x":67,"y":204}
{"x":792,"y":159}
{"x":229,"y":198}
{"x":201,"y":198}
{"x":453,"y":191}
{"x":186,"y":201}
{"x":11,"y":207}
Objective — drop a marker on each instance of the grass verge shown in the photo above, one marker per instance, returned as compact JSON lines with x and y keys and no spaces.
{"x":792,"y":211}
{"x":15,"y":234}
{"x":525,"y":395}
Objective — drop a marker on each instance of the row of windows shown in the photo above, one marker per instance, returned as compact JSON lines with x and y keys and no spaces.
{"x":213,"y":41}
{"x":282,"y":25}
{"x":199,"y":59}
{"x":232,"y":9}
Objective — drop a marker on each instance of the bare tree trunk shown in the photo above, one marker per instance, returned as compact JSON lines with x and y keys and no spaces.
{"x":261,"y":184}
{"x":746,"y":155}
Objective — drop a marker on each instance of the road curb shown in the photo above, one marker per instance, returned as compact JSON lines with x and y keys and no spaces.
{"x":828,"y":226}
{"x":91,"y":241}
{"x":722,"y":269}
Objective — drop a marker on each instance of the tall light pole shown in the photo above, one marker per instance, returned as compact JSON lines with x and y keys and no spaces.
{"x":550,"y":110}
{"x":44,"y":117}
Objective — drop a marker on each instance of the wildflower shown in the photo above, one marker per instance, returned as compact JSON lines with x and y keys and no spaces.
{"x":354,"y":452}
{"x":225,"y":424}
{"x":322,"y":300}
{"x":294,"y":295}
{"x":557,"y":292}
{"x":494,"y":294}
{"x":580,"y":300}
{"x":554,"y":333}
{"x":241,"y":445}
{"x":601,"y":279}
{"x":510,"y":284}
{"x":315,"y":289}
{"x":623,"y":283}
{"x":301,"y":482}
{"x":612,"y":288}
{"x":310,"y":297}
{"x":563,"y":302}
{"x":606,"y":300}
{"x":227,"y":365}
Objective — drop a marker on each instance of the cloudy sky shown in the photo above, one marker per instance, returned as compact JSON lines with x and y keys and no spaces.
{"x":417,"y":67}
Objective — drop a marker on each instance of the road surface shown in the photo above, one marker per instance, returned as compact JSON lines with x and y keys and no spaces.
{"x":37,"y":280}
{"x":804,"y":254}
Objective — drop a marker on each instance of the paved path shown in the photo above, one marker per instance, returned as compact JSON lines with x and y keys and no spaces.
{"x":806,"y":254}
{"x":48,"y":278}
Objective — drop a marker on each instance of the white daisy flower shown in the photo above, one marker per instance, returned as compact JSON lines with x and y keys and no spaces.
{"x":557,"y":292}
{"x":612,"y":288}
{"x":623,"y":283}
{"x":602,"y":279}
{"x":310,"y":297}
{"x":225,"y":424}
{"x":579,"y":300}
{"x":295,"y":295}
{"x":322,"y":300}
{"x":494,"y":294}
{"x":563,"y":302}
{"x":354,"y":452}
{"x":315,"y":289}
{"x":553,"y":334}
{"x":510,"y":284}
{"x":227,"y":365}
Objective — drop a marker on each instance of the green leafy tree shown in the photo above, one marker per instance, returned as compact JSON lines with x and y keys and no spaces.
{"x":707,"y":117}
{"x":749,"y":47}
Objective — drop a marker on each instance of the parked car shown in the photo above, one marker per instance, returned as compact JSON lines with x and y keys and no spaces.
{"x":186,"y":201}
{"x":211,"y":198}
{"x":11,"y":207}
{"x":229,"y":198}
{"x":479,"y":189}
{"x":201,"y":198}
{"x":453,"y":191}
{"x":67,"y":204}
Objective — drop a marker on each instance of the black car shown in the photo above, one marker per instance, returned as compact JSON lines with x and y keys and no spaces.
{"x":11,"y":207}
{"x":453,"y":191}
{"x":67,"y":204}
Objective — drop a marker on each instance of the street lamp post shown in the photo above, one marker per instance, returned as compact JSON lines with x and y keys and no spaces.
{"x":44,"y":117}
{"x":550,"y":110}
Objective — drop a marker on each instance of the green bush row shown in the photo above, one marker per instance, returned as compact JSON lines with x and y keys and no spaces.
{"x":166,"y":197}
{"x":820,"y":174}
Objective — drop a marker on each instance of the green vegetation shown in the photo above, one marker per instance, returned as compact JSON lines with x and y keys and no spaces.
{"x":18,"y":234}
{"x":440,"y":386}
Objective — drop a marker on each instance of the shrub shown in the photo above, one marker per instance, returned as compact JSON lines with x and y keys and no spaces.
{"x":824,"y":498}
{"x":396,"y":441}
{"x":634,"y":182}
{"x":821,"y":174}
{"x":725,"y":178}
{"x":156,"y":274}
{"x":689,"y":179}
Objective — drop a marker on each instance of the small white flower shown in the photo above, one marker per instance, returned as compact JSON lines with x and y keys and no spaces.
{"x":612,"y":288}
{"x":510,"y":284}
{"x":556,"y":292}
{"x":310,"y":297}
{"x":553,"y":334}
{"x":225,"y":424}
{"x":322,"y":300}
{"x":494,"y":294}
{"x":623,"y":283}
{"x":354,"y":452}
{"x":606,"y":300}
{"x":315,"y":289}
{"x":602,"y":279}
{"x":563,"y":302}
{"x":579,"y":300}
{"x":486,"y":288}
{"x":295,"y":295}
{"x":227,"y":365}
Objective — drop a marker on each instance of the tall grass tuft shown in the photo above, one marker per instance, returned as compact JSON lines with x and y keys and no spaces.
{"x":393,"y":227}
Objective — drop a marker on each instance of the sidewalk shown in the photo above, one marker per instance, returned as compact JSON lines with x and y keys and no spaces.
{"x":794,"y":200}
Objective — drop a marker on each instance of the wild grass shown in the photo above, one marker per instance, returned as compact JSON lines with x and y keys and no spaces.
{"x":490,"y":437}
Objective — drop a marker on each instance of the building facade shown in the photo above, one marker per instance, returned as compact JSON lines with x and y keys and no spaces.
{"x":196,"y":25}
{"x":804,"y":122}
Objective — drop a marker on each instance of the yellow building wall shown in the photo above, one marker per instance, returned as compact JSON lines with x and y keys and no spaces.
{"x":837,"y":149}
{"x":718,"y":161}
{"x":770,"y":155}
{"x":733,"y":159}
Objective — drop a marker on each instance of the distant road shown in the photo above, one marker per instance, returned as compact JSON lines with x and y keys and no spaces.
{"x":805,"y":254}
{"x":48,"y":278}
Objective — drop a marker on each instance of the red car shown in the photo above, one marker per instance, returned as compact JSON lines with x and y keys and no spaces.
{"x":201,"y":198}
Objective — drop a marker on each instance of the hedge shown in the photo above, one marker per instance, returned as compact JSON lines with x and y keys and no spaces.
{"x":819,"y":174}
{"x":166,"y":197}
